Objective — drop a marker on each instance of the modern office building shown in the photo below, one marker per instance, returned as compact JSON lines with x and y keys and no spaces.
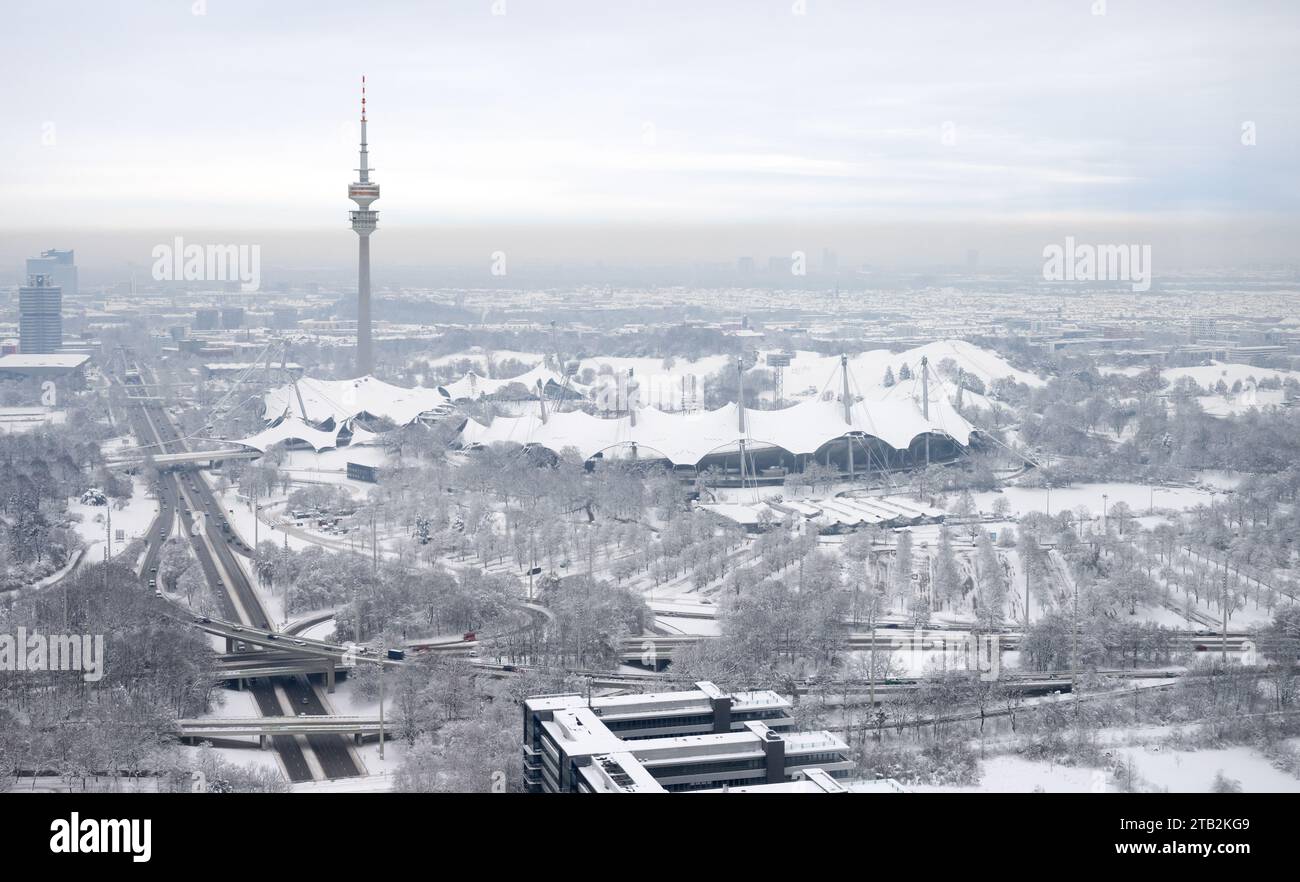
{"x":207,"y":319}
{"x":232,"y":317}
{"x":61,"y":268}
{"x":40,"y":316}
{"x":698,"y":739}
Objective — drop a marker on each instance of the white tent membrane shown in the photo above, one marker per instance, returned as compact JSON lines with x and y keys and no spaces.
{"x":686,"y":438}
{"x":292,"y":428}
{"x":344,"y":399}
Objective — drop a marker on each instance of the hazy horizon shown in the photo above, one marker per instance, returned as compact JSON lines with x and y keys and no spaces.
{"x":584,"y":132}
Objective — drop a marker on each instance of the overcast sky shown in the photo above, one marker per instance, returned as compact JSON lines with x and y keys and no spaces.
{"x":145,"y":116}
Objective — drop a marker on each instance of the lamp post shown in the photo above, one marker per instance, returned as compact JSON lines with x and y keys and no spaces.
{"x":1105,"y":528}
{"x":383,"y":654}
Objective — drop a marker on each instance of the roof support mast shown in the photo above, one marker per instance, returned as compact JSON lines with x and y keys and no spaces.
{"x":925,"y":404}
{"x":740,"y":409}
{"x":847,"y":398}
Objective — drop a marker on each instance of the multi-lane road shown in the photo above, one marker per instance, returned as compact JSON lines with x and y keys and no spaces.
{"x":215,"y":543}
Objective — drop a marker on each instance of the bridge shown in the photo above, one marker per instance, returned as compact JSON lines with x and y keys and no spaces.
{"x":186,"y":458}
{"x":265,"y":727}
{"x":243,"y":666}
{"x":284,"y":642}
{"x":658,"y":649}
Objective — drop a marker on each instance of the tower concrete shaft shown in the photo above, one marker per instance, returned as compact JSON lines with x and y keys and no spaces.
{"x":364,"y":221}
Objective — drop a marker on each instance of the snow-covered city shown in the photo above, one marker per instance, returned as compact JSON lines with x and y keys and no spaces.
{"x":797,"y":405}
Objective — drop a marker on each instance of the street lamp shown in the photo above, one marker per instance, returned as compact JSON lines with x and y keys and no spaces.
{"x":1105,"y":528}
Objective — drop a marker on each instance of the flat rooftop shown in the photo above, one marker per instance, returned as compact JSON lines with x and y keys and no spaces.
{"x":21,"y":361}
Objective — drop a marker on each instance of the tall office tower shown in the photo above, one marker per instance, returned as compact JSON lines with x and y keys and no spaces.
{"x":59,"y":266}
{"x":40,"y":316}
{"x":363,"y":192}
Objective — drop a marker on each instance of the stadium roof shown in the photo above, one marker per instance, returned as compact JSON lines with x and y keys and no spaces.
{"x":344,"y":399}
{"x":290,"y":428}
{"x":686,"y":438}
{"x":472,"y":386}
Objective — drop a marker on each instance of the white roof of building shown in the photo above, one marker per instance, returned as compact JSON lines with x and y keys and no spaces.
{"x":291,"y":428}
{"x":19,"y":360}
{"x":472,"y":386}
{"x":686,"y":438}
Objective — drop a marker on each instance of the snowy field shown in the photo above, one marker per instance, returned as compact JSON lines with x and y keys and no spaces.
{"x":17,"y":420}
{"x":1138,"y":497}
{"x":133,"y":520}
{"x":1154,"y":769}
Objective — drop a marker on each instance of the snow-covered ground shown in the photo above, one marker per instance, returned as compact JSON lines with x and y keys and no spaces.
{"x":1159,"y":767}
{"x":1154,"y":767}
{"x":16,"y":420}
{"x":1138,"y":497}
{"x":1013,"y":774}
{"x":133,"y":520}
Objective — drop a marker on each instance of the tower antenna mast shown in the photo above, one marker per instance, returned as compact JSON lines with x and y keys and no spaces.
{"x":364,"y":220}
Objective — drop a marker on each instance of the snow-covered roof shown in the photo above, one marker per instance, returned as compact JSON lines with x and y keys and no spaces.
{"x":290,"y":428}
{"x":686,"y":438}
{"x":344,"y":399}
{"x":472,"y":386}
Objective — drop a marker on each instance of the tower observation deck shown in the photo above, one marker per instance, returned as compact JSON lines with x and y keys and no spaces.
{"x":363,"y":192}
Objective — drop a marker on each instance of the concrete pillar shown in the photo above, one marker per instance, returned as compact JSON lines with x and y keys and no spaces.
{"x":261,"y":741}
{"x":329,"y":677}
{"x":774,"y":751}
{"x":721,"y":714}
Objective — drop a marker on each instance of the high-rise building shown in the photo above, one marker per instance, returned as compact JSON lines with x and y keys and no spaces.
{"x":40,"y":316}
{"x":364,"y":221}
{"x":232,"y":317}
{"x":61,"y":268}
{"x":207,"y":319}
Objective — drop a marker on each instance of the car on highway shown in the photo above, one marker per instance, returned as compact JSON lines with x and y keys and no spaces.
{"x":300,"y":643}
{"x":236,"y":628}
{"x":272,"y":636}
{"x":153,"y":583}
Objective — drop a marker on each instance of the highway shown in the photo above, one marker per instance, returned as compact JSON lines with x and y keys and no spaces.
{"x":211,"y":537}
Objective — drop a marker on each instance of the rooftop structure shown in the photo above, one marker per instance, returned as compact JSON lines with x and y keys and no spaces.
{"x":42,"y":365}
